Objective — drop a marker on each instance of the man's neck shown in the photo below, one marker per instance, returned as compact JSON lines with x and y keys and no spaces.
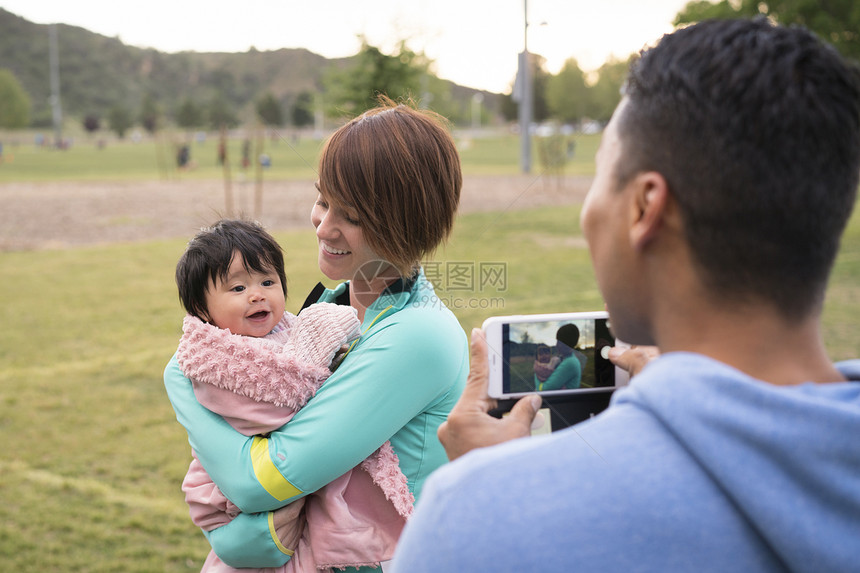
{"x":754,"y":339}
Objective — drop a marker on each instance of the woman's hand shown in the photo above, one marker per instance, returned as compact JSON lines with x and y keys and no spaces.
{"x":634,"y":358}
{"x":469,"y":426}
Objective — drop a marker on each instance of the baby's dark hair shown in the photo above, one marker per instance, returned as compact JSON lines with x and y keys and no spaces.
{"x":209,"y":254}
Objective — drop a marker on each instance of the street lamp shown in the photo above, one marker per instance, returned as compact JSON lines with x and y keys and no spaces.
{"x":525,"y":97}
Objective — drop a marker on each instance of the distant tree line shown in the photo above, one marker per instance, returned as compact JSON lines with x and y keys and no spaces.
{"x":227,"y":90}
{"x":572,"y":96}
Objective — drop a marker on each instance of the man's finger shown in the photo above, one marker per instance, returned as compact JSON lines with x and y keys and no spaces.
{"x":525,"y":410}
{"x":633,"y":359}
{"x":475,"y":392}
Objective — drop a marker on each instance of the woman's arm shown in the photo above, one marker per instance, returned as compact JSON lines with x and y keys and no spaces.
{"x":412,"y":362}
{"x":394,"y":373}
{"x":566,"y":373}
{"x":249,"y":541}
{"x":233,"y":460}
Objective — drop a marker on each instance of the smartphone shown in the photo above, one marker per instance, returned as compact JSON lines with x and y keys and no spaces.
{"x":551,"y":354}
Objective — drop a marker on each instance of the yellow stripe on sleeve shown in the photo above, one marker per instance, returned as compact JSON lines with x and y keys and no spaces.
{"x":274,"y":535}
{"x":267,"y":474}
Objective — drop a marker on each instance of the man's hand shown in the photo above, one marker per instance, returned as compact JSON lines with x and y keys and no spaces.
{"x":633,"y":359}
{"x":469,"y":426}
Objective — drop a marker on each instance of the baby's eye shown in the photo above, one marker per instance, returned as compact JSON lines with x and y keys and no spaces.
{"x":268,"y":283}
{"x":238,"y":288}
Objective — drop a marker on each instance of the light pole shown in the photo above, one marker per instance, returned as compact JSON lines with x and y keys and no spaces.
{"x":525,"y":103}
{"x":56,"y":107}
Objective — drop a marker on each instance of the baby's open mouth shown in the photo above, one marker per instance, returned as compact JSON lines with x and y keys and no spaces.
{"x":259,"y":315}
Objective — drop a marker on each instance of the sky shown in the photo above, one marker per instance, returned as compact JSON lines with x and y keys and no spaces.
{"x":544,"y":332}
{"x":472,"y":42}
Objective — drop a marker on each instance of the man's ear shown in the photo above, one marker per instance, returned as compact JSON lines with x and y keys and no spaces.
{"x":650,"y":208}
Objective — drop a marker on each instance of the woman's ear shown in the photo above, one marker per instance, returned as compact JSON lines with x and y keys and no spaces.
{"x":650,"y":208}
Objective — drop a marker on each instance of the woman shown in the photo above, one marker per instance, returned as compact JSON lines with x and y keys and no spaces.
{"x":389,"y":187}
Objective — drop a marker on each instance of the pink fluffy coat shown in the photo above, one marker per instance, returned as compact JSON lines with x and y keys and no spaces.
{"x":257,"y":385}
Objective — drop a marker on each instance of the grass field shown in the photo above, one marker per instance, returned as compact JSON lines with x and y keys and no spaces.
{"x":290,"y":158}
{"x":92,"y":456}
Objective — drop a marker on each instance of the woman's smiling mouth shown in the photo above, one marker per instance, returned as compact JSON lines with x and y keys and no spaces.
{"x":333,"y":251}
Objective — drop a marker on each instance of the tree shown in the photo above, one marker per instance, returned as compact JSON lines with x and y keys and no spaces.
{"x":189,"y":115}
{"x":14,"y":102}
{"x":92,"y":123}
{"x":270,"y":111}
{"x":302,"y":113}
{"x":606,"y":91}
{"x":837,"y":22}
{"x":119,"y":118}
{"x":150,"y":114}
{"x":568,"y":97}
{"x":220,"y":113}
{"x":355,"y":88}
{"x":540,"y":77}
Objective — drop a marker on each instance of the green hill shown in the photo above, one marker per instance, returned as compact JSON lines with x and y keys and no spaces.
{"x":98,"y":72}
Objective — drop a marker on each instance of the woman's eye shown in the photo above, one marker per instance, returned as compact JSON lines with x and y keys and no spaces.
{"x":322,"y":204}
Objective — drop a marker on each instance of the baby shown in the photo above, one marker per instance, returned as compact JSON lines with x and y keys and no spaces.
{"x":545,"y":363}
{"x":256,"y":365}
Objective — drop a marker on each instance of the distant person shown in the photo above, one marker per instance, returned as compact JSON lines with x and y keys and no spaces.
{"x":257,"y":365}
{"x":183,"y":156}
{"x":724,"y":182}
{"x":381,"y":210}
{"x":246,"y":153}
{"x":221,"y":156}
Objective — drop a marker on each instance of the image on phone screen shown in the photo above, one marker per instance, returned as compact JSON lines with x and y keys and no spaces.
{"x":561,"y":356}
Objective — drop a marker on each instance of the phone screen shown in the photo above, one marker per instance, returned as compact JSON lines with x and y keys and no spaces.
{"x":558,"y":356}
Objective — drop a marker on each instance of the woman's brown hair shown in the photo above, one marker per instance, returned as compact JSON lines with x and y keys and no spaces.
{"x":398,"y":168}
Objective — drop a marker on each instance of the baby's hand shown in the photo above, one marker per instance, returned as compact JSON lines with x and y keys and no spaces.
{"x":338,"y":357}
{"x":321,"y":330}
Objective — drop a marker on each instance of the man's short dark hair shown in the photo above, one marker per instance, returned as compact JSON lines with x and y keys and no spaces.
{"x":208,"y":256}
{"x":568,"y":334}
{"x":756,"y":129}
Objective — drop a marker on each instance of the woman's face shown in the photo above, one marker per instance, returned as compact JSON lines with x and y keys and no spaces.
{"x":343,"y":252}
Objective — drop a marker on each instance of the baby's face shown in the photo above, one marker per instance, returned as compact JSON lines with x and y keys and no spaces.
{"x":246,"y":303}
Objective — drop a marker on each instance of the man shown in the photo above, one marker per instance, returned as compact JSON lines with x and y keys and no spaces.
{"x":724,"y":181}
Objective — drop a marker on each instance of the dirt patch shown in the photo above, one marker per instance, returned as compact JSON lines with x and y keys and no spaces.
{"x":58,"y":215}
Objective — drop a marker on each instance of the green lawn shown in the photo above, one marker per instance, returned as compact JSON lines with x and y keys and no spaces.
{"x":92,"y":456}
{"x":291,"y":158}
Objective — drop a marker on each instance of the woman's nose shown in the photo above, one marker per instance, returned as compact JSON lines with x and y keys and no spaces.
{"x":324,"y":224}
